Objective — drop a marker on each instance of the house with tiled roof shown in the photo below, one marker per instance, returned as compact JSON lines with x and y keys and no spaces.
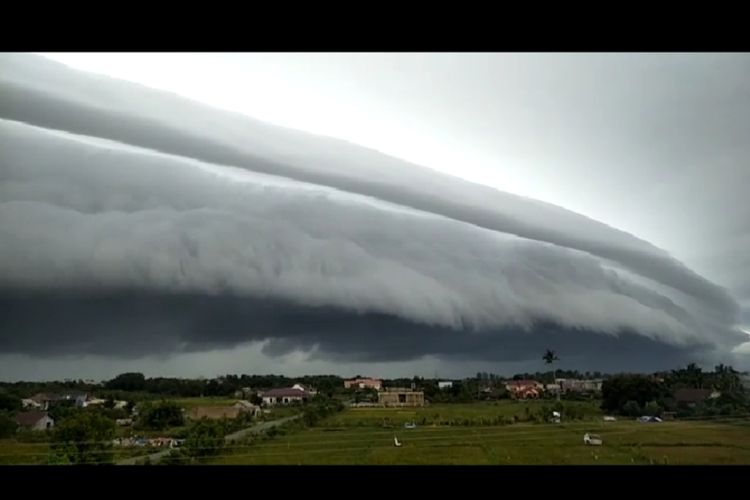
{"x":286,"y":396}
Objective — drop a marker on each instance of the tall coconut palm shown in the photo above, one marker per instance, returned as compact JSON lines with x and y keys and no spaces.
{"x":549,"y":358}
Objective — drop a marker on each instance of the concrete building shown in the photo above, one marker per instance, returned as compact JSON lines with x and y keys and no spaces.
{"x":577,"y":385}
{"x":399,"y":396}
{"x":248,"y":407}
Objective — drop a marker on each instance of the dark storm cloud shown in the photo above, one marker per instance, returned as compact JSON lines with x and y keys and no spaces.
{"x":134,"y":324}
{"x":119,"y":250}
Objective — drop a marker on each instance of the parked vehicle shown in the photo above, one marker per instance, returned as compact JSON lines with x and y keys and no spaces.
{"x":648,"y":418}
{"x":592,"y":439}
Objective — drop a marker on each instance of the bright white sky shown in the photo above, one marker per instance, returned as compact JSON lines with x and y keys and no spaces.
{"x":312,"y":92}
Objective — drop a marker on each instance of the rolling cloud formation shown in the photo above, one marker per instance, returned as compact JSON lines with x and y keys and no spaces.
{"x":134,"y":221}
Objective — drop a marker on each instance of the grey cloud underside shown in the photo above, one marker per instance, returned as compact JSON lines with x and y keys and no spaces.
{"x":132,"y":324}
{"x":120,"y":250}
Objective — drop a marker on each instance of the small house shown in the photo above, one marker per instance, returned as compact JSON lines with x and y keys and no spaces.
{"x":691,"y":397}
{"x":364,"y":383}
{"x":287,"y":396}
{"x":397,"y":396}
{"x":30,"y":404}
{"x":247,"y":407}
{"x":35,"y":420}
{"x":524,"y":389}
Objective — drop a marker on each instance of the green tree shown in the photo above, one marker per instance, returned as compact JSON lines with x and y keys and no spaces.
{"x":62,"y":410}
{"x":84,"y":438}
{"x":204,"y":438}
{"x":9,"y":402}
{"x":727,"y":379}
{"x":161,"y":415}
{"x":631,"y":408}
{"x":7,"y":426}
{"x":620,"y":389}
{"x":652,"y":408}
{"x":127,"y":382}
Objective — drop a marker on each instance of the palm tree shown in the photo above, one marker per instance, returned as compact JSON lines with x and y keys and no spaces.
{"x":726,"y":377}
{"x":549,"y":358}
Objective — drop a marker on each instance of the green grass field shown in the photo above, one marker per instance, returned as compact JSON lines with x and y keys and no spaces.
{"x":344,"y":439}
{"x":194,"y":402}
{"x":13,"y":452}
{"x":451,"y":414}
{"x":365,"y":436}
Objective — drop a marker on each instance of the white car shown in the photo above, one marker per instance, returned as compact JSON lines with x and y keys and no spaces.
{"x":592,"y":439}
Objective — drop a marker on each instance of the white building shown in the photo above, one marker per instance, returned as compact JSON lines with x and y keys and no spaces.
{"x":285,"y":396}
{"x":446,"y":384}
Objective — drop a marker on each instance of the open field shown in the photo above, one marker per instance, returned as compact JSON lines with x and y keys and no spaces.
{"x":344,"y":440}
{"x":194,"y":402}
{"x":453,"y":414}
{"x":13,"y":452}
{"x":365,"y":436}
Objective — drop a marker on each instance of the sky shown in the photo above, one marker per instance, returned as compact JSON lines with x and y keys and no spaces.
{"x":358,"y":260}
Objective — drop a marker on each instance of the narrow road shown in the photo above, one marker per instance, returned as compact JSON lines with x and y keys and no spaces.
{"x":235,"y":436}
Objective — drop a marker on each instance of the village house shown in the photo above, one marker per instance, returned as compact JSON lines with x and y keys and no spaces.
{"x":579,"y":385}
{"x":308,"y":390}
{"x":524,"y":389}
{"x":30,"y":404}
{"x":553,"y":388}
{"x":691,"y":397}
{"x":35,"y":420}
{"x":247,"y":407}
{"x":399,"y":396}
{"x":363,"y":383}
{"x":45,"y":399}
{"x":94,"y":402}
{"x":446,"y":384}
{"x":286,"y":396}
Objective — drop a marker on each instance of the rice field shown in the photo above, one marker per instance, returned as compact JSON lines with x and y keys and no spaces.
{"x":13,"y":452}
{"x":343,"y":439}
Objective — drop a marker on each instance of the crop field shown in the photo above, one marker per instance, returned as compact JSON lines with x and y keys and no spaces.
{"x":348,"y":439}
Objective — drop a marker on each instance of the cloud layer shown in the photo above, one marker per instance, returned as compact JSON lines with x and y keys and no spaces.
{"x":134,"y":221}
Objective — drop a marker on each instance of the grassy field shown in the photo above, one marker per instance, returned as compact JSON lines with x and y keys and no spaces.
{"x":17,"y":453}
{"x":343,"y":439}
{"x":451,"y":414}
{"x":465,"y":434}
{"x":195,"y":402}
